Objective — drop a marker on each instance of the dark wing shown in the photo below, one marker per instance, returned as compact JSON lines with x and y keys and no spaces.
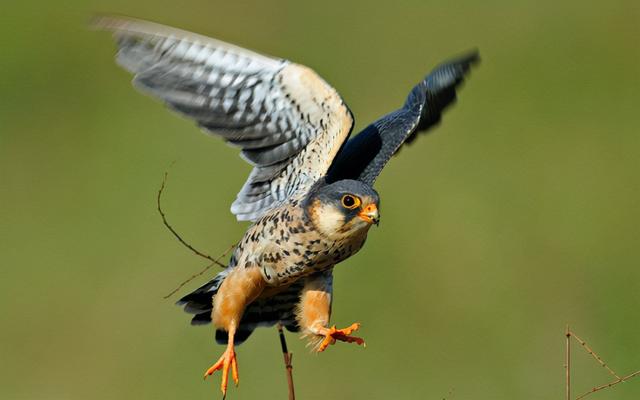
{"x":288,"y":122}
{"x":364,"y":156}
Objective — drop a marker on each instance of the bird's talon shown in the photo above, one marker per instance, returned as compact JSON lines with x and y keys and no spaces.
{"x":332,"y":334}
{"x":225,"y":362}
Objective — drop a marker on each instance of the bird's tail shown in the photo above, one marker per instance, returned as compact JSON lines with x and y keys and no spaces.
{"x":262,"y":312}
{"x":200,"y":301}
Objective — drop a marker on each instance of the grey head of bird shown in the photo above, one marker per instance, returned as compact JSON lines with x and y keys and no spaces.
{"x":343,"y":208}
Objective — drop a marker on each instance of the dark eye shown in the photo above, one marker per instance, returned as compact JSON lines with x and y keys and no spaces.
{"x":350,"y":202}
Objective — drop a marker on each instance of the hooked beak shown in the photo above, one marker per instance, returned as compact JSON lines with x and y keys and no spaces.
{"x":370,"y":214}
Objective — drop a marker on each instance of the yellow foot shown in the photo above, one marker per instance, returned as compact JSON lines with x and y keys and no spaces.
{"x":228,"y":359}
{"x":332,"y":334}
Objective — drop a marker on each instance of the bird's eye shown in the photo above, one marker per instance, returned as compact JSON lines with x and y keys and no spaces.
{"x":350,"y":202}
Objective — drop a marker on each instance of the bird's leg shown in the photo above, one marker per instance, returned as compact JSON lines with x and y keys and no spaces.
{"x":239,"y":288}
{"x":314,"y":311}
{"x":228,"y":359}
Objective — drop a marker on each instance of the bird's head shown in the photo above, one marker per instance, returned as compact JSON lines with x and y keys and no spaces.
{"x":343,"y":208}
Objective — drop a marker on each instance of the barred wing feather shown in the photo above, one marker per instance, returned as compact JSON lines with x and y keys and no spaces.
{"x":287,"y":121}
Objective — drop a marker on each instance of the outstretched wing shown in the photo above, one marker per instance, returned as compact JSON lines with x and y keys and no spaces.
{"x":365,"y":155}
{"x":288,"y":122}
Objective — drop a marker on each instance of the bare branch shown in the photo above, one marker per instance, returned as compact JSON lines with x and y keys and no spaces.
{"x":288,"y":359}
{"x":166,"y":223}
{"x":594,"y":355}
{"x":608,"y":385}
{"x":600,"y":361}
{"x":194,"y":276}
{"x":567,"y":363}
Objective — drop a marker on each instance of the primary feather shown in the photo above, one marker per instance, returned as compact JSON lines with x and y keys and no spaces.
{"x":288,"y":122}
{"x":364,"y":156}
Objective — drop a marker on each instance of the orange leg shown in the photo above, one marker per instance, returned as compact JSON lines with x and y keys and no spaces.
{"x":239,"y":288}
{"x":228,"y":359}
{"x":314,"y":311}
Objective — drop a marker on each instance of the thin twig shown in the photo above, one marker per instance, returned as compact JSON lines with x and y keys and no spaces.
{"x":600,"y":361}
{"x":166,"y":223}
{"x":288,"y":360}
{"x":608,"y":385}
{"x":567,"y":363}
{"x":194,"y":276}
{"x":594,"y":355}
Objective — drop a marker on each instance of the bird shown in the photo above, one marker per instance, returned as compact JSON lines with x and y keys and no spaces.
{"x":309,"y":197}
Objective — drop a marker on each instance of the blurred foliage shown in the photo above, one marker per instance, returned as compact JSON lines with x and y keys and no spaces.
{"x":519,"y":214}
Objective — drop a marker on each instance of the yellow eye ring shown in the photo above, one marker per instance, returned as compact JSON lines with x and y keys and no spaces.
{"x":350,"y":201}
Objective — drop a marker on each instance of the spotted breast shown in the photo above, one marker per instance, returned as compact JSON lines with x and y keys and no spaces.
{"x":286,"y":246}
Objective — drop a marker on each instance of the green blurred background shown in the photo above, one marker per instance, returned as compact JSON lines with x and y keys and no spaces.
{"x":516,"y":216}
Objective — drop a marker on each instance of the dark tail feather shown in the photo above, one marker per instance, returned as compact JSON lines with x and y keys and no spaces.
{"x":246,"y":329}
{"x":262,"y":312}
{"x":267,"y":312}
{"x":200,"y":301}
{"x":242,"y":334}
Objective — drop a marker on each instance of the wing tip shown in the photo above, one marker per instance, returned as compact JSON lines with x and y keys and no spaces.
{"x":464,"y":61}
{"x":471,"y":56}
{"x":452,"y":72}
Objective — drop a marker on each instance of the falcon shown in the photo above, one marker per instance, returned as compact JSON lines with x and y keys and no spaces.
{"x":310,"y":195}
